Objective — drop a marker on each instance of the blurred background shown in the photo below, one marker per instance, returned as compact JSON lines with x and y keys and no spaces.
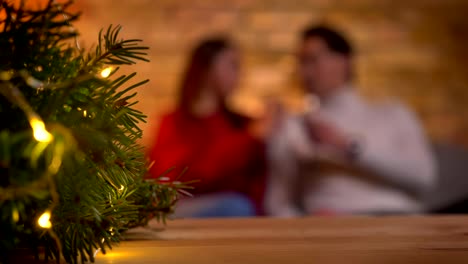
{"x":414,"y":50}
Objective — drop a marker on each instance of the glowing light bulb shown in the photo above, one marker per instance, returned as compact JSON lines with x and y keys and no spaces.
{"x":85,"y":113}
{"x":106,"y":72}
{"x":96,"y":252}
{"x":44,"y":220}
{"x":15,"y":215}
{"x":39,"y":131}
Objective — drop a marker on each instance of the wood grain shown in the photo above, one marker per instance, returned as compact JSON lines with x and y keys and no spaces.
{"x":415,"y":239}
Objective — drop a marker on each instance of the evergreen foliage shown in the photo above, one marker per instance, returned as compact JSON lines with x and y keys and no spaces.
{"x":68,"y":137}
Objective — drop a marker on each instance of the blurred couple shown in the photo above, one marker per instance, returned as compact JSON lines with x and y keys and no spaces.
{"x":343,"y":156}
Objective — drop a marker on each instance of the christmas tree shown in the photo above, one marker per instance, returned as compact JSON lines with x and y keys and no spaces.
{"x":71,"y":171}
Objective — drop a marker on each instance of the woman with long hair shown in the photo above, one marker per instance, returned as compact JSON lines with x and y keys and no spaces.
{"x":218,"y":147}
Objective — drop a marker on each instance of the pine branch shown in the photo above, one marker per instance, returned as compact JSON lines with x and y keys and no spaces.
{"x":68,"y":142}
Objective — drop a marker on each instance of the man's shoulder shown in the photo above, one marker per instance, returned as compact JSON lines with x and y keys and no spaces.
{"x":393,"y":108}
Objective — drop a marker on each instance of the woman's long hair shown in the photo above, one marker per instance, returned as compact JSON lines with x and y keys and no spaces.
{"x":198,"y":68}
{"x":196,"y":72}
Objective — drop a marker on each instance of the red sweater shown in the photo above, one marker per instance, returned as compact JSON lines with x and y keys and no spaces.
{"x":217,"y":150}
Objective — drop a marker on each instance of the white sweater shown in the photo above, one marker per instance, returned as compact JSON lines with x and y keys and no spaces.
{"x":394,"y":166}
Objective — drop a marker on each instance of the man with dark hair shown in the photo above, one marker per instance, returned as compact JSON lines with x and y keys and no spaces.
{"x":334,"y":40}
{"x":345,"y":155}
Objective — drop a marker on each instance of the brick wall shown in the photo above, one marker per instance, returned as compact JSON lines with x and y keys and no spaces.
{"x":414,"y":50}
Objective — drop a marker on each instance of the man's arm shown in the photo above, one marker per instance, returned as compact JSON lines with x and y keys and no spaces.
{"x":400,"y":154}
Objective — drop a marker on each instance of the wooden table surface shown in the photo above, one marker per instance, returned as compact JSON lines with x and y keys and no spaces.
{"x":416,"y":239}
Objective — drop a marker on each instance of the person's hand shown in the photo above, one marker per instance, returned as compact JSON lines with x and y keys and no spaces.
{"x":327,"y":134}
{"x":263,"y":126}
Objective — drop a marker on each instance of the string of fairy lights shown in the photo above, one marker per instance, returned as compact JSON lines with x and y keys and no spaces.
{"x":38,"y":127}
{"x":39,"y":130}
{"x":51,"y":149}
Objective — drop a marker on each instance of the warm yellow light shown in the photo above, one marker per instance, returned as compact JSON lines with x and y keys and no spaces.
{"x":44,"y":220}
{"x":106,"y":72}
{"x":96,"y":252}
{"x":85,"y":113}
{"x":15,"y":215}
{"x":39,"y":131}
